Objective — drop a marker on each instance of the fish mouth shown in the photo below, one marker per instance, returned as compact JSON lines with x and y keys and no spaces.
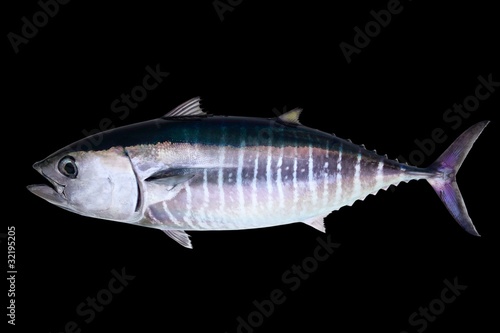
{"x":53,"y":193}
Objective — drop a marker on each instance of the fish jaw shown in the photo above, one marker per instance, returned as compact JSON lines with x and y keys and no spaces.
{"x":53,"y":194}
{"x":47,"y":193}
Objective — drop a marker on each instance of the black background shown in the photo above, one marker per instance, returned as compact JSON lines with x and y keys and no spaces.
{"x":396,"y":248}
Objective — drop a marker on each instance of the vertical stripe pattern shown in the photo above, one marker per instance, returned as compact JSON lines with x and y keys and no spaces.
{"x":269,"y":178}
{"x":245,"y":183}
{"x":254,"y":181}
{"x":239,"y":178}
{"x":338,"y":178}
{"x":279,"y":180}
{"x":357,"y":175}
{"x":311,"y":178}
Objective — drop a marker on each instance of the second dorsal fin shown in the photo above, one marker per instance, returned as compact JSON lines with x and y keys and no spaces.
{"x":187,"y":109}
{"x":291,"y":117}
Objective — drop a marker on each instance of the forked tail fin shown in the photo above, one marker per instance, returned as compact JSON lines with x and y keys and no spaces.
{"x":446,"y":168}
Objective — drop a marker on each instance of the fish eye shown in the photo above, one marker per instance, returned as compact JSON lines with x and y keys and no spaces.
{"x":67,"y":166}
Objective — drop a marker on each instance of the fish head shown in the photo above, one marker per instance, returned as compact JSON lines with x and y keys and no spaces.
{"x":100,"y":184}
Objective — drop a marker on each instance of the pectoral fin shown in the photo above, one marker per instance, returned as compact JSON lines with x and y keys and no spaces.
{"x":171,"y":177}
{"x":180,"y":236}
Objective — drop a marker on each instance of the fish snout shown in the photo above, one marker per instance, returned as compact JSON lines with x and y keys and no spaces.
{"x":37,"y":166}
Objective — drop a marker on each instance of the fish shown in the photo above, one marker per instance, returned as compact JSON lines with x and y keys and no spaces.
{"x":194,"y":171}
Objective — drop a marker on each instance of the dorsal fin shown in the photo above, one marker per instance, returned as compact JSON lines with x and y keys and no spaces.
{"x":187,"y":109}
{"x":291,"y":117}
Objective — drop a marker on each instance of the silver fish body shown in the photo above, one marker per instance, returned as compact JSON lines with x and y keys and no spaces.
{"x":192,"y":171}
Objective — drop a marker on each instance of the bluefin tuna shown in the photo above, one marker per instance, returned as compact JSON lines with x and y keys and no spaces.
{"x":190,"y":170}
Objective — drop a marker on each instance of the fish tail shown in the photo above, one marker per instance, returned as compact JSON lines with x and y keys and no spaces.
{"x":445,"y":169}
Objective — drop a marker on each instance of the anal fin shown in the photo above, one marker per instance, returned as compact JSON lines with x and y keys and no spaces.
{"x":316,"y":222}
